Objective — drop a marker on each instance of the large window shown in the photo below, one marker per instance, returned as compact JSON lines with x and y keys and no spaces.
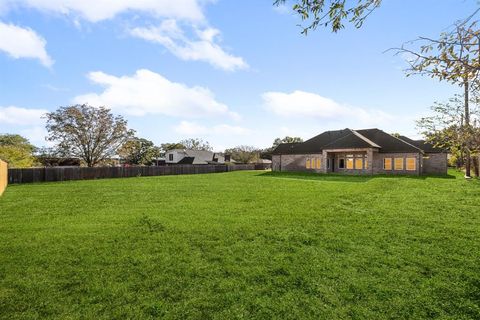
{"x":359,"y":163}
{"x":313,"y":163}
{"x":387,"y":164}
{"x":398,"y":163}
{"x":411,"y":164}
{"x":341,"y":163}
{"x":350,"y":163}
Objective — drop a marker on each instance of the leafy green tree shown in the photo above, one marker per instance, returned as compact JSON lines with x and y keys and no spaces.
{"x":287,"y":139}
{"x":16,"y":150}
{"x":244,"y":154}
{"x":446,"y":129}
{"x":332,"y":13}
{"x":139,"y":151}
{"x":89,"y":133}
{"x":453,"y":57}
{"x":164,"y":147}
{"x":196,"y":144}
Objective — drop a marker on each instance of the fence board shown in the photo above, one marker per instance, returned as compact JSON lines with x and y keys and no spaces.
{"x":49,"y":174}
{"x":3,"y":176}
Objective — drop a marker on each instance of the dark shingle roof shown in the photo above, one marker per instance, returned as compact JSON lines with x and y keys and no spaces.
{"x":316,"y":143}
{"x":424,"y":145}
{"x":313,"y":145}
{"x":350,"y":140}
{"x":347,"y":138}
{"x":387,"y":142}
{"x":285,"y":148}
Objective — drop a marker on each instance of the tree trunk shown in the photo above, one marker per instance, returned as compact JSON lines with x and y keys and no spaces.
{"x":467,"y":125}
{"x":476,"y":164}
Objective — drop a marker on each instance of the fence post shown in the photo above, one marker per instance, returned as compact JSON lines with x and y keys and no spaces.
{"x":3,"y":176}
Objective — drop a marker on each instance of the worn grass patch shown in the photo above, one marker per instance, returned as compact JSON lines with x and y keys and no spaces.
{"x":242,"y":245}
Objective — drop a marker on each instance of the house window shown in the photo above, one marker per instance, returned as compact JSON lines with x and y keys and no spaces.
{"x":170,"y":157}
{"x":349,"y":163}
{"x":328,"y":163}
{"x":398,"y":163}
{"x":411,"y":164}
{"x":359,"y":163}
{"x":307,"y":164}
{"x":319,"y":163}
{"x":387,"y":164}
{"x":341,"y":163}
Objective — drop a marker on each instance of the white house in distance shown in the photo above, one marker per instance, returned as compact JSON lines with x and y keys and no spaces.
{"x":186,"y":156}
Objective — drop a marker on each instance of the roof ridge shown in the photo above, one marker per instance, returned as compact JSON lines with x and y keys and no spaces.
{"x":370,"y":142}
{"x":411,"y":145}
{"x":343,"y":137}
{"x":324,"y":132}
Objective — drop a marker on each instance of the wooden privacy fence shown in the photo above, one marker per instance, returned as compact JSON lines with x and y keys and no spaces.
{"x":48,"y":174}
{"x":3,"y":176}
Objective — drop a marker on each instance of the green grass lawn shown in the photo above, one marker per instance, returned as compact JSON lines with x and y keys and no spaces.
{"x":242,"y":245}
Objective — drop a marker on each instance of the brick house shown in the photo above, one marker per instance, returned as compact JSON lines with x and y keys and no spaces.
{"x":370,"y":151}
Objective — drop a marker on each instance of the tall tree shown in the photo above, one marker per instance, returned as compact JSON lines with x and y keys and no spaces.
{"x":332,"y":13}
{"x":164,"y":147}
{"x":287,"y":139}
{"x":89,"y":133}
{"x":196,"y":144}
{"x":139,"y":151}
{"x":16,"y":150}
{"x":446,"y":129}
{"x":244,"y":154}
{"x":453,"y":57}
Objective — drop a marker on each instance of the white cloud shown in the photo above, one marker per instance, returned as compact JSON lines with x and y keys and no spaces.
{"x":36,"y":135}
{"x":188,"y":128}
{"x":20,"y":42}
{"x":201,"y":45}
{"x":98,"y":10}
{"x":303,"y":104}
{"x":203,"y":48}
{"x":147,"y":92}
{"x":21,"y":116}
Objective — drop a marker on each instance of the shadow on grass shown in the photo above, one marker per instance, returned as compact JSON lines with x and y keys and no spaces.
{"x":346,"y":178}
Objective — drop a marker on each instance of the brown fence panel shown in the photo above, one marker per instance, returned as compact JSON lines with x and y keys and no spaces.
{"x":3,"y":176}
{"x":29,"y":175}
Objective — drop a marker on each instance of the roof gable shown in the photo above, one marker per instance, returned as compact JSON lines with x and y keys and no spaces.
{"x":350,"y":140}
{"x":387,"y":142}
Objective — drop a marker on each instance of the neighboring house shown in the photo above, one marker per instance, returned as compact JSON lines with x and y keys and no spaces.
{"x":185,"y":156}
{"x":264,"y":161}
{"x":370,"y":151}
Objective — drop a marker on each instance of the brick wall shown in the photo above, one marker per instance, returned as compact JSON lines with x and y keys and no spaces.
{"x":295,"y":162}
{"x":378,"y":163}
{"x":435,"y":163}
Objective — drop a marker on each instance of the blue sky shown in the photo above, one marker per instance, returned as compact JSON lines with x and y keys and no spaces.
{"x":229,"y":72}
